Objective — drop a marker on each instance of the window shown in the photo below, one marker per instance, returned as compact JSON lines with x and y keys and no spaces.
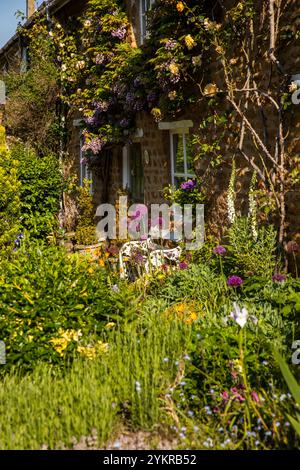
{"x":182,"y":156}
{"x":145,"y":6}
{"x":85,"y":172}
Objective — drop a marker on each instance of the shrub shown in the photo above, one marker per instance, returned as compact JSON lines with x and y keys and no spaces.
{"x":40,"y":190}
{"x":9,"y":196}
{"x":51,"y":304}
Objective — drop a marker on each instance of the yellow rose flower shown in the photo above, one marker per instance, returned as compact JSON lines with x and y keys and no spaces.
{"x":189,"y":41}
{"x":174,"y":69}
{"x":180,"y":7}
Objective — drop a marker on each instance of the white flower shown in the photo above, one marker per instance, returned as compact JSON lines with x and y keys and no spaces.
{"x":87,"y":23}
{"x":240,"y":316}
{"x":63,"y":67}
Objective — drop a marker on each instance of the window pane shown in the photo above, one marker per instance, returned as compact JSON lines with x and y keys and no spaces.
{"x":178,"y":180}
{"x":178,"y":148}
{"x":190,"y":153}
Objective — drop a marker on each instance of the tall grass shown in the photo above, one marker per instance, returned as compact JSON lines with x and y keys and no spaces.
{"x":49,"y":407}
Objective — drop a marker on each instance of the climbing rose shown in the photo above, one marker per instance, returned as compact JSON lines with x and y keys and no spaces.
{"x":180,"y":7}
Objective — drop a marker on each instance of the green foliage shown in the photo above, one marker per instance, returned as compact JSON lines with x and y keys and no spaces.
{"x":9,"y":197}
{"x":293,"y":386}
{"x":184,"y":196}
{"x":33,"y":93}
{"x":45,"y":295}
{"x":85,"y":230}
{"x":91,"y":398}
{"x":40,"y":190}
{"x":252,"y":256}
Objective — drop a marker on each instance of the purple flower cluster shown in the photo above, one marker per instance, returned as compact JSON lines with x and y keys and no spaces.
{"x":170,"y":45}
{"x":119,"y":33}
{"x":125,"y":123}
{"x":183,"y":265}
{"x":101,"y":106}
{"x":91,"y":120}
{"x":188,"y":185}
{"x":94,"y":145}
{"x":234,"y":281}
{"x":279,"y":277}
{"x":220,"y":250}
{"x":20,"y":236}
{"x":100,"y":59}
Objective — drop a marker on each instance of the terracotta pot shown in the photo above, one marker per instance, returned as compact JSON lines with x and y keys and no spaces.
{"x":92,"y":250}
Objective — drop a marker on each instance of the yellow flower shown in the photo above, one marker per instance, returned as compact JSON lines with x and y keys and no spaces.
{"x":180,"y":7}
{"x":211,"y":89}
{"x":110,"y":325}
{"x":91,"y":271}
{"x":233,"y":61}
{"x":172,"y":95}
{"x":156,"y":113}
{"x":174,"y":69}
{"x":219,"y":50}
{"x":189,"y":41}
{"x":101,"y":262}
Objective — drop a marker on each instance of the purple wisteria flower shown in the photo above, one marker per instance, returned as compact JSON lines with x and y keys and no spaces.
{"x":170,"y":45}
{"x":119,"y":33}
{"x":220,"y":250}
{"x":279,"y":277}
{"x":188,"y":185}
{"x":100,"y":59}
{"x":125,"y":123}
{"x":91,"y":121}
{"x":94,"y":145}
{"x":234,"y":281}
{"x":101,"y":106}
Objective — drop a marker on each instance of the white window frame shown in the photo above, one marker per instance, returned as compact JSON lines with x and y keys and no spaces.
{"x":85,"y":172}
{"x":186,"y":174}
{"x":144,"y":7}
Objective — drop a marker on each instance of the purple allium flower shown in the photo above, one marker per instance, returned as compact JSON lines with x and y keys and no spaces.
{"x":119,"y":33}
{"x":188,"y":185}
{"x":220,"y":250}
{"x":234,"y":281}
{"x":170,"y":45}
{"x":183,"y":265}
{"x":279,"y":277}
